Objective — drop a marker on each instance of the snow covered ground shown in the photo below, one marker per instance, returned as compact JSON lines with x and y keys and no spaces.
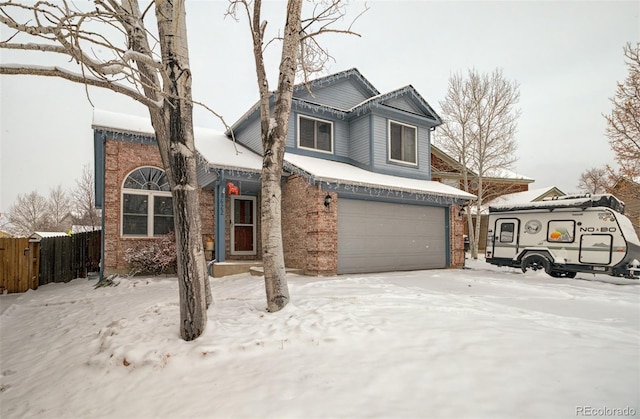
{"x":481,"y":342}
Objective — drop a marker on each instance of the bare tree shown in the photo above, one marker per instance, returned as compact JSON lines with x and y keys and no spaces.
{"x":29,"y":213}
{"x":84,"y":200}
{"x":300,"y":53}
{"x":59,"y":207}
{"x":595,"y":180}
{"x":454,"y":136}
{"x":623,"y":124}
{"x":481,"y":108}
{"x":110,"y":43}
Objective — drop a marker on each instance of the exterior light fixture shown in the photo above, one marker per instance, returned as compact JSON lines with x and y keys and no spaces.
{"x":327,"y":200}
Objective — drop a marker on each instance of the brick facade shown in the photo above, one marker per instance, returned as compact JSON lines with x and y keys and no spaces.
{"x":456,"y":236}
{"x":121,"y":158}
{"x":309,"y":228}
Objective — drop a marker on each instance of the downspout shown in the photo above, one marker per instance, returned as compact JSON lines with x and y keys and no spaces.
{"x":100,"y":140}
{"x":220,"y":219}
{"x":447,"y":235}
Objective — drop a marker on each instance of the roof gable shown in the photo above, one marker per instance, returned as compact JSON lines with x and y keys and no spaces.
{"x":353,"y":76}
{"x":342,"y":93}
{"x":407,"y":99}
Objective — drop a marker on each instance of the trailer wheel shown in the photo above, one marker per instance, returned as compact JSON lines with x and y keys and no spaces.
{"x":536,"y":262}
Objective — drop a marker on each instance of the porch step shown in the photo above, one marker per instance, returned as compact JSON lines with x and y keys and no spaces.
{"x":234,"y":267}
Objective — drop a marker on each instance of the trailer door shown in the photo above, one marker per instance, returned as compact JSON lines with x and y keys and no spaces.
{"x":506,"y":235}
{"x":596,"y":249}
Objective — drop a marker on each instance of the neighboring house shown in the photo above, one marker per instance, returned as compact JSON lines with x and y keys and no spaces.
{"x":628,"y":191}
{"x":357,"y":188}
{"x":449,"y":171}
{"x":523,"y":197}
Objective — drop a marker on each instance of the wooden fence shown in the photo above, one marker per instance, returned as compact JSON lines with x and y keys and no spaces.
{"x":19,"y":264}
{"x":68,"y":257}
{"x":27,"y":263}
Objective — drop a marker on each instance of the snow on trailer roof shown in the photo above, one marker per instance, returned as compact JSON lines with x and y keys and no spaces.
{"x":567,"y":201}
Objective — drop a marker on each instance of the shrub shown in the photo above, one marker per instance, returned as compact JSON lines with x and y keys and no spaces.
{"x":153,"y":257}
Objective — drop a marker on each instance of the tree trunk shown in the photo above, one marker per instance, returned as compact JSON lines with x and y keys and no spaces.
{"x":474,"y":252}
{"x":274,"y":137}
{"x":174,"y":131}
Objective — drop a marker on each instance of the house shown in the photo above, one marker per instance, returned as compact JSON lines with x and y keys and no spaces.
{"x":357,"y":188}
{"x":629,"y":192}
{"x":449,"y":171}
{"x":522,"y":197}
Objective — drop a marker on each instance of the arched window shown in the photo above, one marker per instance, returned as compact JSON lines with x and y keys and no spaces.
{"x":147,"y":206}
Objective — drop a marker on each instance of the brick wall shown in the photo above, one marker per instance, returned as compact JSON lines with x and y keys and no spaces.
{"x":309,"y":228}
{"x":456,"y":231}
{"x":120,"y":159}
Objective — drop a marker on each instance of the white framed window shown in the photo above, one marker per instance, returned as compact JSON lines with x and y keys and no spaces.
{"x":403,"y":143}
{"x":315,"y":134}
{"x":147,"y":206}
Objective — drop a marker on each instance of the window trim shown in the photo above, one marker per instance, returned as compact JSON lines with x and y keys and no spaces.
{"x":300,"y":116}
{"x":150,"y":194}
{"x":572,"y":233}
{"x":403,"y":162}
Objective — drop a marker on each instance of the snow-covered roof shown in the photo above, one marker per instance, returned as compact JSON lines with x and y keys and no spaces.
{"x":121,"y":122}
{"x":522,"y":197}
{"x":47,"y":234}
{"x":344,"y":173}
{"x":219,"y":152}
{"x":567,"y":201}
{"x":516,"y":198}
{"x":214,"y":146}
{"x":507,"y":174}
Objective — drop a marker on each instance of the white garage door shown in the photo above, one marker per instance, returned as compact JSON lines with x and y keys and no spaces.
{"x":382,"y":236}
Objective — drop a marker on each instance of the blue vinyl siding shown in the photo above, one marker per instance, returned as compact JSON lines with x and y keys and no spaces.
{"x":360,"y":140}
{"x":251,"y":136}
{"x":403,"y":103}
{"x":341,"y":138}
{"x":345,"y":94}
{"x":380,"y":152}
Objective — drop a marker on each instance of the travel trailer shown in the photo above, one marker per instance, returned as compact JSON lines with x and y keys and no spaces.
{"x":565,"y":235}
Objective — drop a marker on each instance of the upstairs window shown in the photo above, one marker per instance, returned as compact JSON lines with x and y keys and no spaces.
{"x":315,"y":134}
{"x":147,"y":206}
{"x":403,"y":143}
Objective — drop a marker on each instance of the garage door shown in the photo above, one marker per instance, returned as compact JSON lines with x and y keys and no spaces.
{"x":381,"y":236}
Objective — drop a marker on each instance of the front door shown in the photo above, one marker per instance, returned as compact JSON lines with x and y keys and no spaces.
{"x":505,"y":238}
{"x":243,"y":225}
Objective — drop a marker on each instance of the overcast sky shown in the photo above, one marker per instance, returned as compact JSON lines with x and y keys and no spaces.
{"x":566,"y":56}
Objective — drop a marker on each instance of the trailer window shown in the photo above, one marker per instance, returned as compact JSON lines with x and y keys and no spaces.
{"x":561,"y":231}
{"x":506,"y":232}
